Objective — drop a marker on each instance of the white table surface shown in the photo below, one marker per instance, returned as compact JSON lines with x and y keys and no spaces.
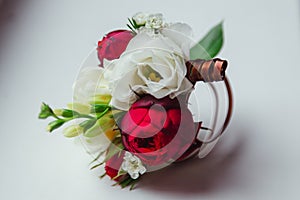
{"x":42,"y":44}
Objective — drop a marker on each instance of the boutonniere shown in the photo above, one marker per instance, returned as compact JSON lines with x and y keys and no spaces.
{"x":133,"y":109}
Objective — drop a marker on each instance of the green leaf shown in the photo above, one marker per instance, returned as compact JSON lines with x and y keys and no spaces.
{"x":97,"y":157}
{"x":210,"y":45}
{"x":95,"y":166}
{"x":133,"y":185}
{"x":131,"y":26}
{"x":102,"y":176}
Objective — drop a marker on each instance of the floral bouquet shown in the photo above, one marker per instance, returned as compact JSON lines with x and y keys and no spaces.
{"x":135,"y":106}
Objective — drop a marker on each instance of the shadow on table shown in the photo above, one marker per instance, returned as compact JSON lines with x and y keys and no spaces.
{"x":199,"y":175}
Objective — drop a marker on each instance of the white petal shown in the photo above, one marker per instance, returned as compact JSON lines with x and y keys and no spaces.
{"x":122,"y":95}
{"x":181,"y":34}
{"x":142,"y":170}
{"x":90,"y":81}
{"x":134,"y":175}
{"x":96,"y":144}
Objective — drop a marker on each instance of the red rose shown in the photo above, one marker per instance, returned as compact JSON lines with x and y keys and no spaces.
{"x":113,"y":45}
{"x":158,"y":131}
{"x":113,"y":165}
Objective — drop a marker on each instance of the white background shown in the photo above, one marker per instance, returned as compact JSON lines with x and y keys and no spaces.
{"x":42,"y":44}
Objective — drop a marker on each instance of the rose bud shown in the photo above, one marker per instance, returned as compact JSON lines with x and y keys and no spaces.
{"x":113,"y":45}
{"x":158,"y":131}
{"x":113,"y":165}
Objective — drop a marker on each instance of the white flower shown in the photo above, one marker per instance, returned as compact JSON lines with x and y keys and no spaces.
{"x":140,"y":18}
{"x":133,"y":165}
{"x":155,"y":21}
{"x":89,"y":83}
{"x":182,"y":35}
{"x":152,"y":64}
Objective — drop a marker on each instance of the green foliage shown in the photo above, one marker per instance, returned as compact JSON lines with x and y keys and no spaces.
{"x":46,"y":112}
{"x":210,"y":45}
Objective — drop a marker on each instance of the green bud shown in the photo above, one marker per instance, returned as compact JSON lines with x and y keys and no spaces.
{"x":73,"y":131}
{"x":55,"y":124}
{"x":80,"y":107}
{"x":65,"y":113}
{"x":57,"y":112}
{"x":69,"y":113}
{"x":45,"y":112}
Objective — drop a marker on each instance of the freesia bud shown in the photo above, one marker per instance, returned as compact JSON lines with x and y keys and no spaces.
{"x":80,"y":107}
{"x":45,"y":112}
{"x":55,"y":124}
{"x":57,"y":112}
{"x":73,"y":131}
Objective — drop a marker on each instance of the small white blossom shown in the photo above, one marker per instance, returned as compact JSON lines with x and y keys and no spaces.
{"x":140,"y":18}
{"x":133,"y":165}
{"x":155,"y":21}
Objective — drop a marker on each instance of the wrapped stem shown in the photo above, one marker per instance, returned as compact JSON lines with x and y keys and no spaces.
{"x":206,"y":70}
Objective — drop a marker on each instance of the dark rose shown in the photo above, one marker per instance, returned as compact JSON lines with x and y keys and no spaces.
{"x":113,"y":45}
{"x":158,"y":131}
{"x":113,"y":165}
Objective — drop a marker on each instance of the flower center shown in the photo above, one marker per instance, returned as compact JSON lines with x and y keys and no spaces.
{"x":150,"y":73}
{"x":155,"y":77}
{"x":134,"y":165}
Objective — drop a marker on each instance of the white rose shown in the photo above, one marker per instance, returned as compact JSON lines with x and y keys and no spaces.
{"x":152,"y":64}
